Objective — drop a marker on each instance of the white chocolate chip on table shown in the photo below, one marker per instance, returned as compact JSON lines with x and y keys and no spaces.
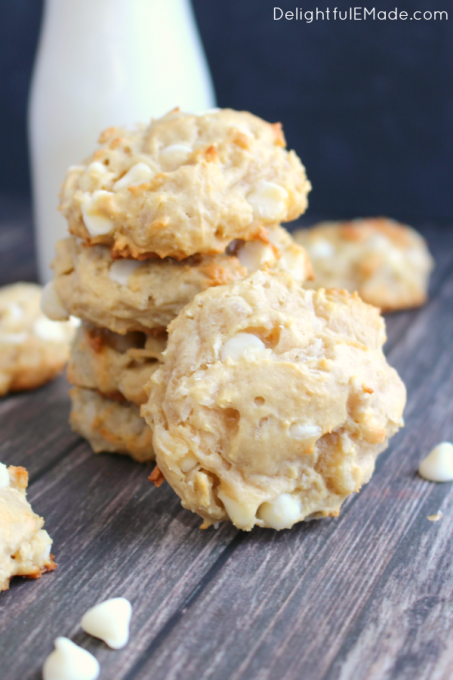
{"x":438,"y":465}
{"x":109,"y":621}
{"x":70,"y":662}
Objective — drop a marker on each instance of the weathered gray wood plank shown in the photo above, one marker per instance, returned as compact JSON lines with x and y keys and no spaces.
{"x":34,"y":429}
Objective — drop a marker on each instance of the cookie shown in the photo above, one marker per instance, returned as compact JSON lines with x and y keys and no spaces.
{"x":118,"y":366}
{"x":110,"y":426}
{"x":387,"y":263}
{"x":33,"y":349}
{"x":24,"y":544}
{"x":130,"y":295}
{"x":273,"y":401}
{"x":185,"y":184}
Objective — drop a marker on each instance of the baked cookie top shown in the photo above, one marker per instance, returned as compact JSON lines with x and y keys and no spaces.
{"x":273,"y":401}
{"x":387,"y":263}
{"x":33,"y":349}
{"x":185,"y":184}
{"x":132,"y":295}
{"x":24,"y":545}
{"x":118,"y":366}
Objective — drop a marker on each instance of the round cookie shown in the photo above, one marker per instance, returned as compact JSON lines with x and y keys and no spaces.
{"x":33,"y":349}
{"x":118,"y":366}
{"x":185,"y":184}
{"x":110,"y":426}
{"x":24,"y":544}
{"x":131,"y":295}
{"x":273,"y":401}
{"x":387,"y":263}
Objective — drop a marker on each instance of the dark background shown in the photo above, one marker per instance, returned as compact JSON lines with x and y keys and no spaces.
{"x":368,"y":106}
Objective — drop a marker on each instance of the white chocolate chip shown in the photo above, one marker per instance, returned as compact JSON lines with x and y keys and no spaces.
{"x":4,"y":476}
{"x":188,"y":462}
{"x":12,"y":311}
{"x":109,"y":621}
{"x":322,"y":249}
{"x":138,"y":173}
{"x":254,"y":254}
{"x":95,"y":174}
{"x":281,"y":513}
{"x":380,"y":242}
{"x":74,"y":321}
{"x":438,"y":466}
{"x":268,"y":201}
{"x":300,"y":431}
{"x":293,"y":262}
{"x":96,"y":168}
{"x":51,"y":305}
{"x":243,"y":517}
{"x":396,"y":257}
{"x":52,"y":331}
{"x":95,"y":221}
{"x":239,"y":345}
{"x":121,"y":270}
{"x":245,"y":130}
{"x":45,"y":552}
{"x":70,"y":662}
{"x":175,"y":155}
{"x":12,"y":338}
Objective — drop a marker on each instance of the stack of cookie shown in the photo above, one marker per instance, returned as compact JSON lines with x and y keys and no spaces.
{"x":156,"y":216}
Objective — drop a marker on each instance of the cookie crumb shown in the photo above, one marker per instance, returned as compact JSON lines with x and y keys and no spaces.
{"x":156,"y":477}
{"x":435,"y":518}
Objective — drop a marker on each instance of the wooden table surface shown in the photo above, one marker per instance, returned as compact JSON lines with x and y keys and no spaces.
{"x":367,"y":595}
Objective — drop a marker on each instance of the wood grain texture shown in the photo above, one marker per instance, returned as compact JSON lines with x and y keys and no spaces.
{"x":367,"y":595}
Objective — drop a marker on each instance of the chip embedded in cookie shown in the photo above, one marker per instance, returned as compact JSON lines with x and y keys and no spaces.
{"x":273,"y":401}
{"x":185,"y":184}
{"x":387,"y":263}
{"x":133,"y":295}
{"x":24,"y":544}
{"x":33,"y":349}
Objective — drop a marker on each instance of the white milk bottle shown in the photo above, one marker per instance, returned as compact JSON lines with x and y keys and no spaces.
{"x":103,"y":63}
